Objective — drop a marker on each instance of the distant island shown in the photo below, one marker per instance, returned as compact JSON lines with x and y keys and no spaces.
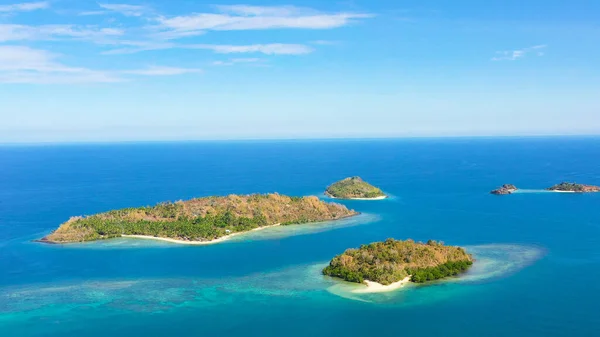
{"x":354,"y":188}
{"x":575,"y":188}
{"x":505,"y":189}
{"x":199,"y":221}
{"x":390,"y":264}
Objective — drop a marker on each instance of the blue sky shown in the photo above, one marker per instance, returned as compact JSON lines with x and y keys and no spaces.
{"x":76,"y":70}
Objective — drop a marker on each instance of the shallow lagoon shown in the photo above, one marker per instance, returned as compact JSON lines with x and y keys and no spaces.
{"x":305,"y":281}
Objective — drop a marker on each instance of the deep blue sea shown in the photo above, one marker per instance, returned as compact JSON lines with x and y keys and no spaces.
{"x":538,"y":254}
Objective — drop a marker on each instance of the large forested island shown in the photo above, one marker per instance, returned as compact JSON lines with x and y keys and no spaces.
{"x":572,"y":187}
{"x":392,"y":261}
{"x":354,"y":188}
{"x":199,"y":220}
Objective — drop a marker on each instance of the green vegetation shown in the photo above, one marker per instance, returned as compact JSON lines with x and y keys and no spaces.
{"x":572,"y":187}
{"x":447,"y":269}
{"x":392,"y":260}
{"x":202,"y":219}
{"x":352,"y":188}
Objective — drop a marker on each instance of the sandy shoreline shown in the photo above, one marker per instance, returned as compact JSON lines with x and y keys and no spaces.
{"x":549,"y":191}
{"x":376,"y":198}
{"x":582,"y":192}
{"x":374,"y":287}
{"x":195,"y":243}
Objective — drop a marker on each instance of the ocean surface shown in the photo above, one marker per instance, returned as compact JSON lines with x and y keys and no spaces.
{"x":538,"y":254}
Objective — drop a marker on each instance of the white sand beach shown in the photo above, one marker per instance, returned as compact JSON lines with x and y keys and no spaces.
{"x":376,"y":198}
{"x":520,"y":191}
{"x":195,"y":243}
{"x":374,"y":287}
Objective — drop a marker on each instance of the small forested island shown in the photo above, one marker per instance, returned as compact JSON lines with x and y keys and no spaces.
{"x":505,"y":189}
{"x":394,"y":261}
{"x":572,"y":187}
{"x":199,"y":220}
{"x":354,"y":188}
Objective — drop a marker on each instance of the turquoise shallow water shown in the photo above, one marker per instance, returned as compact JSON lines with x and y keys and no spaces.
{"x":537,"y":253}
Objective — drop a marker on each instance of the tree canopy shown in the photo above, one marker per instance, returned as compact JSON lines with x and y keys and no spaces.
{"x":201,"y":219}
{"x":353,"y":187}
{"x":393,"y":260}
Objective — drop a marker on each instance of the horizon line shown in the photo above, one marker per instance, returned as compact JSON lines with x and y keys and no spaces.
{"x":237,"y":140}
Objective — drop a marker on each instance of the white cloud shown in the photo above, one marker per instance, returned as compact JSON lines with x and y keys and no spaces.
{"x":21,"y":77}
{"x":513,"y":55}
{"x":176,"y":34}
{"x":242,"y":17}
{"x":127,"y":10}
{"x":27,"y":65}
{"x":325,"y":42}
{"x":231,"y":62}
{"x":24,"y":7}
{"x":25,"y":58}
{"x":12,"y":32}
{"x":138,"y":46}
{"x":246,"y":60}
{"x":20,"y":64}
{"x":91,"y":13}
{"x":226,"y":22}
{"x":246,"y":10}
{"x":268,"y":49}
{"x":163,"y":71}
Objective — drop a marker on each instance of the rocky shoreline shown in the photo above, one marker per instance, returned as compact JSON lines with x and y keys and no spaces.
{"x":505,"y":189}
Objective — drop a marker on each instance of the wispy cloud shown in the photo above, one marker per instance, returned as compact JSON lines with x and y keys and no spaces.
{"x":235,"y":61}
{"x":132,"y":47}
{"x":159,"y":36}
{"x":125,"y":9}
{"x":325,"y":42}
{"x":27,"y":65}
{"x":246,"y":10}
{"x":242,"y":17}
{"x":163,"y":71}
{"x":12,"y":32}
{"x":268,"y":49}
{"x":20,"y":64}
{"x":31,"y":77}
{"x":91,"y":13}
{"x":24,"y":7}
{"x":513,"y":55}
{"x":25,"y":58}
